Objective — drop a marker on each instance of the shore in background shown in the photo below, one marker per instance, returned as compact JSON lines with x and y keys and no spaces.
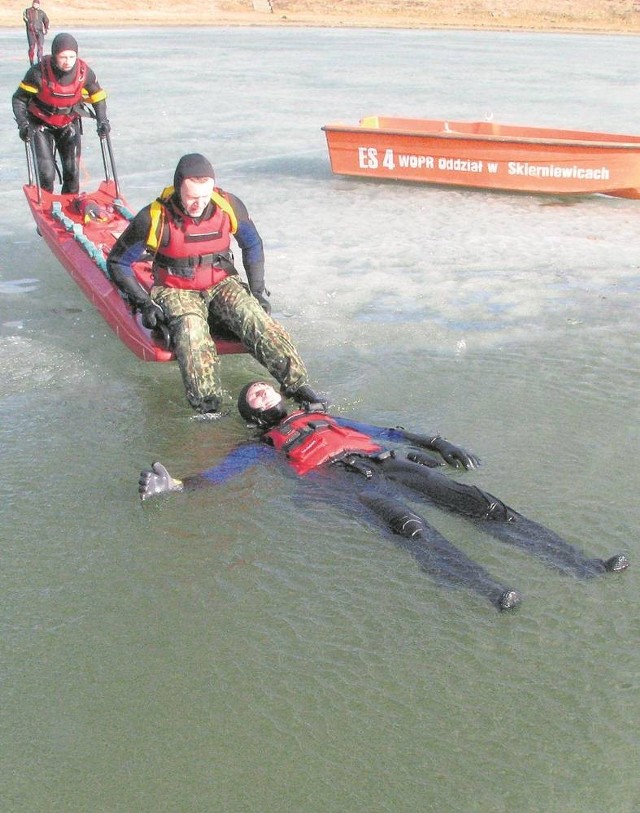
{"x":577,"y":16}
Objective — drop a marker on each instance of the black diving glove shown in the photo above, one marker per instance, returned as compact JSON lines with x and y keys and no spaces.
{"x":103,"y":128}
{"x":453,"y":455}
{"x":24,"y":132}
{"x":157,"y":480}
{"x":152,"y":315}
{"x":305,"y":396}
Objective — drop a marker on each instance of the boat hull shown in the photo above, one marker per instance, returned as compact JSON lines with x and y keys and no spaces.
{"x":82,"y":248}
{"x":487,"y":155}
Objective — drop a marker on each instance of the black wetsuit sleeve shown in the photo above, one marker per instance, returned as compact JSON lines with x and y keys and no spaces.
{"x":250,"y":244}
{"x":128,"y":249}
{"x":22,"y":96}
{"x":92,"y":87}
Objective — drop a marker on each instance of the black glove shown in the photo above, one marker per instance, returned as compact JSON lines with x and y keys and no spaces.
{"x":305,"y":396}
{"x":103,"y":128}
{"x":454,"y":455}
{"x":156,"y":480}
{"x":264,"y":302}
{"x":152,"y":315}
{"x":24,"y":132}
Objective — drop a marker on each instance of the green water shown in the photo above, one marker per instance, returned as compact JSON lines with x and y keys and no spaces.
{"x":246,"y":649}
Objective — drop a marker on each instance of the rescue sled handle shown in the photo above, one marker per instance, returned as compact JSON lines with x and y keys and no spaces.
{"x":32,"y":166}
{"x":108,"y":162}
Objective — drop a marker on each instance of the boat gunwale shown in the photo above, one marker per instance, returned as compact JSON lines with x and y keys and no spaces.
{"x":449,"y":135}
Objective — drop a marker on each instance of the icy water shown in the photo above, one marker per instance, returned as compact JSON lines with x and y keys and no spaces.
{"x":241,"y":649}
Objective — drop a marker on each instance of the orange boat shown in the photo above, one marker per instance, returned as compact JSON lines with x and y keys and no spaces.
{"x":488,"y":155}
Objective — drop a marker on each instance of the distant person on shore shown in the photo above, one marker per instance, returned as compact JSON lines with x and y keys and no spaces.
{"x":37,"y":24}
{"x":47,"y":106}
{"x":351,"y":465}
{"x":187,"y":232}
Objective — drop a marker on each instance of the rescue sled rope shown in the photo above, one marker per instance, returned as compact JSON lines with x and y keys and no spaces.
{"x":75,"y":229}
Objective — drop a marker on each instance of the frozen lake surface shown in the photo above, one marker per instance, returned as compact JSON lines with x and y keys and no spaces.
{"x":240,"y":649}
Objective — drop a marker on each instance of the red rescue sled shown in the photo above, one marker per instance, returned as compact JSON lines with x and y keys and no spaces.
{"x":80,"y":230}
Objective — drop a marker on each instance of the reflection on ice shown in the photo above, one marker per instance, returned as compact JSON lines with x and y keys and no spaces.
{"x":18,"y":286}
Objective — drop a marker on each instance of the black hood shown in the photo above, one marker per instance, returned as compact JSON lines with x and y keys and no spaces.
{"x":63,"y":42}
{"x":193,"y":165}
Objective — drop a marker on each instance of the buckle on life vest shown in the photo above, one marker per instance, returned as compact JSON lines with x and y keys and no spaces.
{"x":383,"y":455}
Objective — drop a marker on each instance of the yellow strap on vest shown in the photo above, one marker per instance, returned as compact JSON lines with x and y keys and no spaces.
{"x":156,"y":213}
{"x":224,"y":204}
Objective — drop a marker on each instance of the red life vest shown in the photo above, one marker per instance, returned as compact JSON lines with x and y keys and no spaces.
{"x":310,"y":439}
{"x":56,"y":104}
{"x":197,"y":255}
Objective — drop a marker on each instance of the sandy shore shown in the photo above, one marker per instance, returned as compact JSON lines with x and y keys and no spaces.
{"x":579,"y":16}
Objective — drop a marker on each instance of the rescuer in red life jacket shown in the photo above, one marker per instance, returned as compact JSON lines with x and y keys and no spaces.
{"x":37,"y":25}
{"x":47,"y":107}
{"x":187,"y":231}
{"x":372,"y":476}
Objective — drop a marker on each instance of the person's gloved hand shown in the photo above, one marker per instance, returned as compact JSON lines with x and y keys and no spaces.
{"x":156,"y":480}
{"x":152,"y":315}
{"x":103,"y":128}
{"x":304,"y":395}
{"x":454,"y":455}
{"x":264,"y":302}
{"x":24,"y":133}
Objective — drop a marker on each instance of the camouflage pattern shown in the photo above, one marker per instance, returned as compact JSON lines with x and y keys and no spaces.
{"x":230,"y":304}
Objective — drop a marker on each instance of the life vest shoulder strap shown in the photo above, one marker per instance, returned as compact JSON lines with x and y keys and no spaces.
{"x":157,"y":216}
{"x":218,"y":197}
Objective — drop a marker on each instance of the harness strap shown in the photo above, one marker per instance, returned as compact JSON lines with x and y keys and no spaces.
{"x":221,"y":260}
{"x":51,"y":109}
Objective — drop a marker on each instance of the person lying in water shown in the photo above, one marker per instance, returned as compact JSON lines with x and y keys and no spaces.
{"x":369,"y":477}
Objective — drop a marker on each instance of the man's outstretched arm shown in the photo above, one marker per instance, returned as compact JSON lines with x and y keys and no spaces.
{"x":157,"y":480}
{"x":453,"y":455}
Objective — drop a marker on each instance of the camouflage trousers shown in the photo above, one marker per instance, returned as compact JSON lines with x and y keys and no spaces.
{"x":232,"y":305}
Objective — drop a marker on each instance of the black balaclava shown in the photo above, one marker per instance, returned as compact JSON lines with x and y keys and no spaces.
{"x":192,"y":165}
{"x":63,"y":42}
{"x":264,"y":418}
